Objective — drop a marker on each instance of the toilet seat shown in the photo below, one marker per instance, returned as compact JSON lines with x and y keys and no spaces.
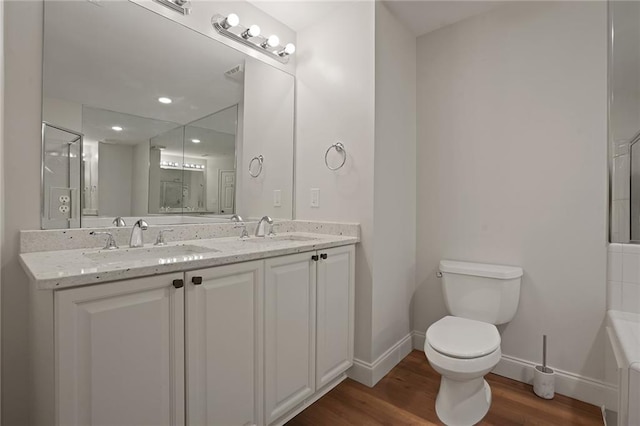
{"x":462,"y":338}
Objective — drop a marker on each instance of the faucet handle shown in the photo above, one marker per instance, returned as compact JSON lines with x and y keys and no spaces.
{"x":160,"y":238}
{"x":119,"y":221}
{"x":111,"y":242}
{"x":245,"y":234}
{"x":271,"y":229}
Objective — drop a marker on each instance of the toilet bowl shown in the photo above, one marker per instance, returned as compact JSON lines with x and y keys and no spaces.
{"x":465,"y":346}
{"x":463,"y":351}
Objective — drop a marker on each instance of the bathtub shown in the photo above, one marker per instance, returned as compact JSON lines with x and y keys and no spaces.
{"x":623,"y":330}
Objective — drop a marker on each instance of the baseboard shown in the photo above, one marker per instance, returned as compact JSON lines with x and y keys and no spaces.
{"x":572,"y":385}
{"x":370,"y":373}
{"x":418,"y":338}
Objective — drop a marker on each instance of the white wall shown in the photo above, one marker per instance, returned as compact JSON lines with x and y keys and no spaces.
{"x":1,"y":167}
{"x":511,"y":156}
{"x":115,"y":163}
{"x":335,"y":101}
{"x":268,"y":130}
{"x":140,"y":184}
{"x":21,"y":202}
{"x":394,"y":181}
{"x":62,"y":113}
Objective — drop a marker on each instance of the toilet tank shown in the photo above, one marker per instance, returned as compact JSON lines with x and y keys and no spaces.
{"x":479,"y":291}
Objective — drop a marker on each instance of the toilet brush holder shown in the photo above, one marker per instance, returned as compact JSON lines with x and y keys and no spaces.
{"x":543,"y":377}
{"x":544,"y":382}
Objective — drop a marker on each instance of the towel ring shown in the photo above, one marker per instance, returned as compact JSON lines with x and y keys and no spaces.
{"x":260,"y":160}
{"x":339,"y":147}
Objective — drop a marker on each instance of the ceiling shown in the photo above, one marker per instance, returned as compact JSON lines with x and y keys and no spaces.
{"x":419,"y":16}
{"x":422,"y":17}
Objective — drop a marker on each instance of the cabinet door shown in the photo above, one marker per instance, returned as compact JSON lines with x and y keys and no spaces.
{"x":290,"y":288}
{"x":224,"y":345}
{"x":120,"y":353}
{"x":335,"y":313}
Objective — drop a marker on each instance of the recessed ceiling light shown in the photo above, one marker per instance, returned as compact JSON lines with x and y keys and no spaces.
{"x":117,"y":128}
{"x":195,"y":140}
{"x":164,"y":100}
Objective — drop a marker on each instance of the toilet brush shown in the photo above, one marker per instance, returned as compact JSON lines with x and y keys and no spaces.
{"x":543,"y":376}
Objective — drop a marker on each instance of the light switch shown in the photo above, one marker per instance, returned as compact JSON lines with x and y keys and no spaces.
{"x":277,"y":198}
{"x":315,"y":197}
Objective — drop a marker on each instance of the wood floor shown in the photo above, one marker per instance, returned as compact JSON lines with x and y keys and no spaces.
{"x":406,"y":396}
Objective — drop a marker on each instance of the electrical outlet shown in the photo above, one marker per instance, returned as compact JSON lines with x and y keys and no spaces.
{"x":277,"y":198}
{"x":315,"y":197}
{"x":63,"y":209}
{"x":64,"y":199}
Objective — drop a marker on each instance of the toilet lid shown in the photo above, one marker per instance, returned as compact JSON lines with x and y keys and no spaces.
{"x":463,"y":338}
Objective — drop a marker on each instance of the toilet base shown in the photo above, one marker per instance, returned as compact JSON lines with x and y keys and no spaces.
{"x":463,"y":403}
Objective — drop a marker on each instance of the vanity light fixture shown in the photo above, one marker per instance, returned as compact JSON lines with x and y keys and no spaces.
{"x":117,"y":128}
{"x":180,"y":6}
{"x":195,"y":140}
{"x":164,"y":100}
{"x":230,"y":27}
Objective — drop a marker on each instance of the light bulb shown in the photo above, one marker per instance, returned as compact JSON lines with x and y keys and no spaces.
{"x":289,"y":49}
{"x":164,"y":100}
{"x":195,"y":140}
{"x":231,"y":20}
{"x":117,"y":128}
{"x":252,"y":31}
{"x":272,"y":41}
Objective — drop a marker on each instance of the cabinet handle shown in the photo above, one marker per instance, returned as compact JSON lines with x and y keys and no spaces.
{"x":315,"y":257}
{"x":196,"y":280}
{"x":324,"y":255}
{"x":178,"y":283}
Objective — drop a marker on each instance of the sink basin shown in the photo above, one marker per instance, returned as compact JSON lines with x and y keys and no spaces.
{"x":164,"y":254}
{"x":280,"y":238}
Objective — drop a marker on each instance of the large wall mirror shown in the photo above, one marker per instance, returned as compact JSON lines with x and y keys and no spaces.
{"x":624,"y":120}
{"x":144,"y":117}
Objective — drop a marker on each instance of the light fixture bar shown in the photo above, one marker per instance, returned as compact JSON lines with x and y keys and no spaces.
{"x":176,"y":5}
{"x":275,"y":52}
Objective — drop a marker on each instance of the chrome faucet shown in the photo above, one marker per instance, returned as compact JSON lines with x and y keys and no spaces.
{"x":136,"y":233}
{"x":260,"y":227}
{"x":236,"y":218}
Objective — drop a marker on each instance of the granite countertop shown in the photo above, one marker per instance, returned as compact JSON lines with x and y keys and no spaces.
{"x":69,"y":268}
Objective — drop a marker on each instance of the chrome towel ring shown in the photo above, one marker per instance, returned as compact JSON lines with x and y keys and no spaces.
{"x":260,"y":160}
{"x":339,"y":147}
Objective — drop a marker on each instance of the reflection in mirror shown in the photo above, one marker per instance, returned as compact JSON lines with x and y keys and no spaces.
{"x":192,"y":168}
{"x":61,"y":153}
{"x":159,"y":109}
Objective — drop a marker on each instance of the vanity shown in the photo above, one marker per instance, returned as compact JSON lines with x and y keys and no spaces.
{"x":207,"y":331}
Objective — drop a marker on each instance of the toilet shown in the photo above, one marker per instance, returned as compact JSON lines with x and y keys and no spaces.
{"x":464,"y":346}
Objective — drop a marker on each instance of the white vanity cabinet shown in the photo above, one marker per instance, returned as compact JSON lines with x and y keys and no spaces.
{"x":334,"y":313}
{"x":290,"y":331}
{"x":120,"y":353}
{"x":250,"y":343}
{"x":309,"y":323}
{"x":223,"y":344}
